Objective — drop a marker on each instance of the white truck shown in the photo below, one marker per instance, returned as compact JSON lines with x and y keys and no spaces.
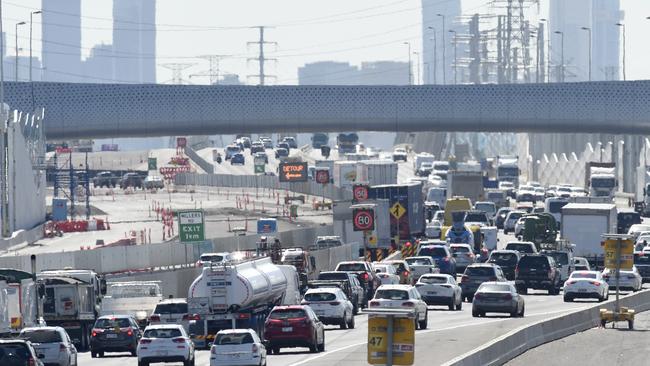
{"x":72,"y":300}
{"x":18,"y":301}
{"x":137,"y":298}
{"x":583,"y":224}
{"x":508,"y":170}
{"x":421,"y":158}
{"x":238,"y":295}
{"x":601,"y":180}
{"x":642,"y":199}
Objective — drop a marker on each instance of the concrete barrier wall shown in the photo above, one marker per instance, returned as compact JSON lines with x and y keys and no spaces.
{"x":518,"y":341}
{"x":22,"y":237}
{"x":262,"y":181}
{"x":570,"y":168}
{"x":207,"y":166}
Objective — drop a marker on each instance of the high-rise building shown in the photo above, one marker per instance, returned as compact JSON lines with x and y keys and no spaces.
{"x":61,"y":38}
{"x":384,"y":73}
{"x":606,"y":39}
{"x":134,"y":40}
{"x":328,"y":73}
{"x":568,"y":17}
{"x":98,"y":67}
{"x":434,"y":14}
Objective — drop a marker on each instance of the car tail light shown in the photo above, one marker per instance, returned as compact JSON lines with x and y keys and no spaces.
{"x":470,"y":254}
{"x":129,"y":332}
{"x":478,"y":295}
{"x":62,"y":347}
{"x":365,"y":276}
{"x":178,"y":340}
{"x":242,"y":316}
{"x":199,"y":263}
{"x":373,"y":303}
{"x":516,"y":270}
{"x":96,"y":332}
{"x":304,"y":303}
{"x":213,"y":350}
{"x":507,"y":297}
{"x":446,"y":259}
{"x":254,"y":348}
{"x":334,"y":303}
{"x":406,"y":273}
{"x":145,"y":341}
{"x":464,"y":279}
{"x":570,"y":282}
{"x":595,"y":283}
{"x":154,"y":318}
{"x":408,"y":304}
{"x":31,"y":361}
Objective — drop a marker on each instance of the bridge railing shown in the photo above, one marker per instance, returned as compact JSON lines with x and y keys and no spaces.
{"x":204,"y":164}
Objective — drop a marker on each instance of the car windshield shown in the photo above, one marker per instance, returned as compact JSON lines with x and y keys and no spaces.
{"x":523,"y":248}
{"x":383,"y":268}
{"x":162,"y":333}
{"x":642,"y":259}
{"x":629,"y":217}
{"x":493,"y":287}
{"x":475,"y":217}
{"x":418,"y":261}
{"x":459,"y":249}
{"x":534,"y":261}
{"x":328,"y":243}
{"x":14,"y":354}
{"x":487,"y":207}
{"x":433,"y":279}
{"x":503,"y":258}
{"x":564,"y":189}
{"x":233,"y":339}
{"x":212,"y":258}
{"x":559,"y":257}
{"x":435,"y":193}
{"x":480,"y":271}
{"x":287,"y":314}
{"x":41,"y":336}
{"x":320,"y":296}
{"x":333,"y":276}
{"x":583,"y":275}
{"x":112,"y":323}
{"x":527,"y":189}
{"x":175,"y":308}
{"x":391,"y":294}
{"x":351,"y":267}
{"x":441,"y":166}
{"x":515,"y":215}
{"x":556,"y":206}
{"x":232,"y":149}
{"x":433,"y":251}
{"x":440,"y":215}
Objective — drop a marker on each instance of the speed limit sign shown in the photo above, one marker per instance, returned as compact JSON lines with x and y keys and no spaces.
{"x":322,"y":176}
{"x":363,"y":219}
{"x":360,"y":192}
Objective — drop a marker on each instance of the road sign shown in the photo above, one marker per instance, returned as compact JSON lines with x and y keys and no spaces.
{"x":181,"y":142}
{"x":293,"y":172}
{"x":322,"y":175}
{"x":191,"y":227}
{"x":267,"y":226}
{"x":259,"y":168}
{"x":403,"y":340}
{"x":152,"y":163}
{"x":363,"y":219}
{"x":325,"y":151}
{"x":627,"y":254}
{"x":360,"y":192}
{"x":397,"y":210}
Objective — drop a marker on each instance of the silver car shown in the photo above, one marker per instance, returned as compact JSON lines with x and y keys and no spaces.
{"x":497,"y":297}
{"x":511,"y":221}
{"x":463,"y":254}
{"x":52,"y":345}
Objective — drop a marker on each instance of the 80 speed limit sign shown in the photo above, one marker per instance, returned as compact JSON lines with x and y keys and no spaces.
{"x":363,"y":219}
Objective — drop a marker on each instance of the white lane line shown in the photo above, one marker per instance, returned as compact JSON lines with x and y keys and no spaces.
{"x":422,"y":332}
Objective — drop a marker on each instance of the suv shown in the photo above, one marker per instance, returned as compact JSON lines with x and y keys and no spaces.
{"x":18,"y":352}
{"x":294,"y":326}
{"x":52,"y":345}
{"x":523,"y":247}
{"x":331,"y":305}
{"x":476,"y":274}
{"x":538,"y":272}
{"x":114,"y":333}
{"x":507,"y":260}
{"x":326,"y":242}
{"x":642,"y":264}
{"x":171,"y":311}
{"x":366,"y":275}
{"x":404,"y":271}
{"x":564,"y":261}
{"x":348,"y":282}
{"x":131,"y":180}
{"x":441,"y":256}
{"x":500,"y":217}
{"x":105,"y":179}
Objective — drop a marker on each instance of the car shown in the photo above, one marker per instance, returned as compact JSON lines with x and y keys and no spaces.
{"x":246,"y":141}
{"x":508,"y":187}
{"x":352,"y":287}
{"x":642,"y":264}
{"x":440,"y":289}
{"x":326,"y":242}
{"x":463,"y":254}
{"x":511,"y":221}
{"x":154,"y":182}
{"x":629,"y":280}
{"x":294,"y":326}
{"x":209,"y":258}
{"x":52,"y":345}
{"x":498,"y":297}
{"x":476,"y":274}
{"x":114,"y":333}
{"x":436,"y":181}
{"x":519,"y":227}
{"x":500,"y":217}
{"x":165,"y":343}
{"x":105,"y":179}
{"x":507,"y":260}
{"x":18,"y":352}
{"x":400,"y":154}
{"x":131,"y":180}
{"x":421,"y":266}
{"x":538,"y":272}
{"x":488,"y":207}
{"x":636,"y":230}
{"x":367,"y":277}
{"x":386,"y":273}
{"x":401,"y":297}
{"x":283,"y":145}
{"x":581,"y":264}
{"x":642,"y":241}
{"x":586,"y":285}
{"x":625,"y":220}
{"x":425,"y":169}
{"x":563,"y":192}
{"x":578,"y":192}
{"x":474,"y":218}
{"x":171,"y":311}
{"x":238,"y":158}
{"x":523,"y":247}
{"x":261,"y":157}
{"x":257,"y":147}
{"x":440,"y":254}
{"x":331,"y":306}
{"x":553,"y":205}
{"x":266,"y":142}
{"x":550,"y":191}
{"x":290,"y":141}
{"x":281,"y":152}
{"x":403,"y":271}
{"x":539,"y":194}
{"x":231,"y":150}
{"x":526,"y":194}
{"x":237,"y":347}
{"x":564,"y":261}
{"x":434,"y":228}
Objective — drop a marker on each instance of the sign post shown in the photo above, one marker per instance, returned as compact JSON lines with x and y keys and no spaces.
{"x":391,"y":337}
{"x":619,"y":255}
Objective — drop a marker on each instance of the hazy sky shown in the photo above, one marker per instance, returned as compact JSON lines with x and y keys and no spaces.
{"x":306,"y":31}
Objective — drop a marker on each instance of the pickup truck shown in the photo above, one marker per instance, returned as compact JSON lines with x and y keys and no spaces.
{"x":421,"y":265}
{"x":105,"y":179}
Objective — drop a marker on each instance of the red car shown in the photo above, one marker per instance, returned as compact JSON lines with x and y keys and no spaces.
{"x":294,"y":326}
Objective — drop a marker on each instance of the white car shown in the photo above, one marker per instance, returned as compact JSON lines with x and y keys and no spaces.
{"x":578,"y":192}
{"x":403,"y":297}
{"x":563,"y":192}
{"x":165,"y":343}
{"x":519,"y":227}
{"x":331,"y":306}
{"x":636,"y":230}
{"x":209,"y":258}
{"x":440,"y":289}
{"x":171,"y":311}
{"x":628,"y":280}
{"x":237,"y":347}
{"x":586,"y":285}
{"x":434,"y":228}
{"x":581,"y":264}
{"x":386,"y":273}
{"x":53,"y":344}
{"x":400,"y":154}
{"x":421,"y":266}
{"x":511,"y":221}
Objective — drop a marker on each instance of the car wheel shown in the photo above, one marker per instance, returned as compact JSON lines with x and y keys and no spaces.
{"x":514,"y":313}
{"x":321,"y":346}
{"x":459,"y":306}
{"x":93,"y":354}
{"x":134,"y":353}
{"x":313,"y":348}
{"x":423,"y":324}
{"x":568,"y":298}
{"x":355,"y":308}
{"x":470,"y":298}
{"x":143,"y":363}
{"x":276,"y":350}
{"x":344,"y":322}
{"x":475,"y":313}
{"x":351,"y":324}
{"x":100,"y":354}
{"x":523,"y":309}
{"x":416,"y":322}
{"x":452,"y":303}
{"x":522,"y":290}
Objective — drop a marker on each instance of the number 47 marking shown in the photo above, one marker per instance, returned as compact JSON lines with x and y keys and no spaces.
{"x":375,"y":341}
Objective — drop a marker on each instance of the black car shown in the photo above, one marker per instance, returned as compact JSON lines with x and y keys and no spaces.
{"x":114,"y":333}
{"x":627,"y":219}
{"x":105,"y":179}
{"x":257,"y":147}
{"x":538,"y":272}
{"x":507,"y":260}
{"x":476,"y":274}
{"x":131,"y":180}
{"x":500,"y":217}
{"x":18,"y":352}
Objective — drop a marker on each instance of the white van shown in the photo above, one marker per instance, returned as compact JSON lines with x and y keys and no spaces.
{"x":438,"y":195}
{"x":553,"y":205}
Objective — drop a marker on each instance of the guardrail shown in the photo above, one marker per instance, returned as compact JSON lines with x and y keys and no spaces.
{"x":207,"y":166}
{"x":518,"y":341}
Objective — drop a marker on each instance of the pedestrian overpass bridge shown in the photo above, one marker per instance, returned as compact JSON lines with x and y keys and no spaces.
{"x":138,"y":110}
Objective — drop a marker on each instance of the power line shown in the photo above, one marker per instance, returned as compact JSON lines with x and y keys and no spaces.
{"x":261,"y":59}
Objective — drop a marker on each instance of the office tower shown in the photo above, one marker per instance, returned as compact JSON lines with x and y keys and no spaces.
{"x":61,"y":39}
{"x":568,"y":17}
{"x":606,"y":39}
{"x":134,"y":40}
{"x":434,"y":14}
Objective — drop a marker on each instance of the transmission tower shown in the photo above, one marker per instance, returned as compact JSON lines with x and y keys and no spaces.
{"x":214,"y":71}
{"x":261,"y":59}
{"x":177,"y":72}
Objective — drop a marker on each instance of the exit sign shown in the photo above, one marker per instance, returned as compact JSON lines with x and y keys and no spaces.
{"x":191,"y":226}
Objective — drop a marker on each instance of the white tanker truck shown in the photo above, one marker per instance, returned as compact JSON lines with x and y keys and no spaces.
{"x":238,"y":295}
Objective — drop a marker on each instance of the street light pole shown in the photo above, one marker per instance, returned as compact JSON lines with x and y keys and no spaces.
{"x":17,"y":24}
{"x":590,"y":55}
{"x":623,"y":26}
{"x":410,"y":71}
{"x":562,"y":58}
{"x":444,"y":51}
{"x":435,"y":55}
{"x":31,"y":26}
{"x":455,"y":56}
{"x":417,"y":67}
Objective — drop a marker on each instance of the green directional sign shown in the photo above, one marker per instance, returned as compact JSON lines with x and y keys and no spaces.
{"x":152,"y":163}
{"x":191,"y":226}
{"x":259,"y":168}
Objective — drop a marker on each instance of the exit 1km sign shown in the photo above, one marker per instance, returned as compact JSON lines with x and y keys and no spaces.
{"x":191,"y":227}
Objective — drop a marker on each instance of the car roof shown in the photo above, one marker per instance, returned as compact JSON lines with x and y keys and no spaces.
{"x":585,"y":272}
{"x":459,"y":245}
{"x":58,"y":329}
{"x":394,"y":287}
{"x":115,"y":316}
{"x":164,"y":326}
{"x":173,"y":301}
{"x":324,"y":289}
{"x":520,"y":242}
{"x":289,"y":307}
{"x":436,"y":275}
{"x":495,"y":283}
{"x":235,"y":331}
{"x":491,"y":265}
